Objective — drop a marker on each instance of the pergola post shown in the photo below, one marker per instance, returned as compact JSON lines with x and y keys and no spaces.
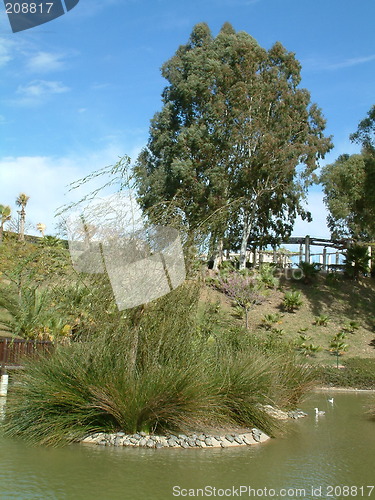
{"x":307,"y":248}
{"x":325,"y":259}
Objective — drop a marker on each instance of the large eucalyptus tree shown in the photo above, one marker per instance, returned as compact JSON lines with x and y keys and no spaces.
{"x":236,"y":142}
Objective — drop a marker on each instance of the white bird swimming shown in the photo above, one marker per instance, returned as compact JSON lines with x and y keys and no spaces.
{"x":318,"y":412}
{"x":330,"y":400}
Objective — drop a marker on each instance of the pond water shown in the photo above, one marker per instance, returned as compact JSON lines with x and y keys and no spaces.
{"x":316,"y":459}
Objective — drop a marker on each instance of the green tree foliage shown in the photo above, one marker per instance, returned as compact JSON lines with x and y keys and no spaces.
{"x":356,"y":261}
{"x":5,"y":212}
{"x":309,"y":271}
{"x":349,"y":186}
{"x":32,"y":315}
{"x":365,"y":134}
{"x":244,"y":291}
{"x":236,"y":143}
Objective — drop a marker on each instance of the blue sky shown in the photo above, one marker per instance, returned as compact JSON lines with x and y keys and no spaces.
{"x":80,"y":91}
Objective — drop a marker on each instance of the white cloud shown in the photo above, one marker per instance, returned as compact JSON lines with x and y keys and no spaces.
{"x":101,"y":86}
{"x":5,"y":52}
{"x":42,"y":178}
{"x":355,"y":61}
{"x":36,"y":91}
{"x":316,"y":64}
{"x":45,"y":179}
{"x":45,"y":62}
{"x":40,"y":88}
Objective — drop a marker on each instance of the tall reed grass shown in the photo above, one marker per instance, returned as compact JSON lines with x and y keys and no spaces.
{"x":153,"y":370}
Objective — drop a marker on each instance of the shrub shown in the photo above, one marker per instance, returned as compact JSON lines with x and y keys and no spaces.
{"x":276,"y":344}
{"x":362,"y":371}
{"x":292,"y":300}
{"x":309,"y":271}
{"x":243,"y":382}
{"x":277,"y":331}
{"x":337,"y":345}
{"x":321,"y":320}
{"x":307,"y":348}
{"x":243,"y":290}
{"x":356,"y":261}
{"x":351,"y":326}
{"x":267,"y":276}
{"x":148,"y":373}
{"x":79,"y":391}
{"x":226,"y":267}
{"x":269,"y":320}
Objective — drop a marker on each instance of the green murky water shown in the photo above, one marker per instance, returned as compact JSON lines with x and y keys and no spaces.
{"x":319,"y":458}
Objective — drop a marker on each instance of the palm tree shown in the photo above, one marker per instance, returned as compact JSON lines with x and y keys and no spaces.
{"x":41,"y":227}
{"x":357,"y":261}
{"x":30,"y":315}
{"x":21,"y":201}
{"x":5,"y":211}
{"x":51,"y":241}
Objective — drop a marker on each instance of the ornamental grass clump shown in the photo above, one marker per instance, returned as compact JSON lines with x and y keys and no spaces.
{"x":291,"y":381}
{"x":244,"y":382}
{"x":154,"y":372}
{"x":98,"y":386}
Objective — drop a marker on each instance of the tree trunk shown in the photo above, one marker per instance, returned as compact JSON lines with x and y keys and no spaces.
{"x":247,"y":318}
{"x":190,"y":252}
{"x":216,"y":252}
{"x":21,"y":234}
{"x":245,"y":236}
{"x":218,"y":255}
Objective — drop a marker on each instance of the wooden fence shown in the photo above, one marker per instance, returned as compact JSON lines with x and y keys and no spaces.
{"x":13,"y":351}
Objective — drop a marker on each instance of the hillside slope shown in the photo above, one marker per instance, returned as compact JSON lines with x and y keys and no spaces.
{"x":342,"y":301}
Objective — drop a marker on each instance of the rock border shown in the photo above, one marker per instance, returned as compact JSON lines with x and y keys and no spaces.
{"x":203,"y":440}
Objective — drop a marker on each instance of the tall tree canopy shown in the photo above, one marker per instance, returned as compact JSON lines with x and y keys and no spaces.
{"x":349,"y":187}
{"x":236,"y":142}
{"x":365,"y":135}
